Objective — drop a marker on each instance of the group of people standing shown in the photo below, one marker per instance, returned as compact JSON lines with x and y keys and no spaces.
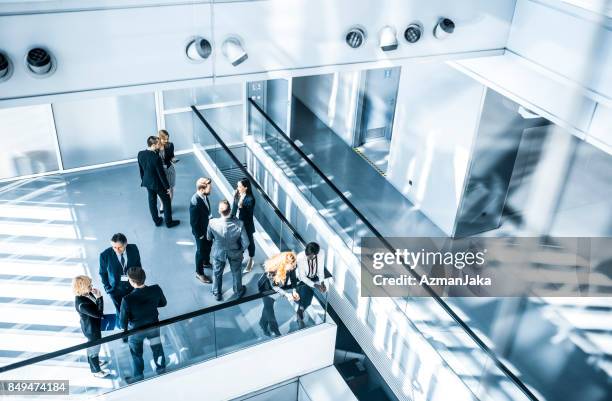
{"x":223,"y":239}
{"x":219,"y":241}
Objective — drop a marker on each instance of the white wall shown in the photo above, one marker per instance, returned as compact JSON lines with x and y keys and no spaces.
{"x":435,"y":124}
{"x":332,"y":98}
{"x":138,"y":46}
{"x":241,"y":372}
{"x":573,"y":43}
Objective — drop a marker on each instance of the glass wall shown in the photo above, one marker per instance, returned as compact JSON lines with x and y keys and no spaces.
{"x":220,"y":104}
{"x":28,"y":141}
{"x":103,"y":130}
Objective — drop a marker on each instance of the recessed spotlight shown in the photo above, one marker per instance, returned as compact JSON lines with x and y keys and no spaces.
{"x":444,"y":28}
{"x":355,"y":37}
{"x":387,"y":38}
{"x":198,"y":49}
{"x":6,"y":67}
{"x":234,"y":52}
{"x":40,"y":62}
{"x":413,"y":33}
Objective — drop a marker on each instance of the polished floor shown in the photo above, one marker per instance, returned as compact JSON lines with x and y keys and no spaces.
{"x":53,"y":228}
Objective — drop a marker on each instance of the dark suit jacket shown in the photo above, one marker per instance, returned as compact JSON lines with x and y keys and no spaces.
{"x":110,"y":268}
{"x":139,"y":307}
{"x":168,"y":154}
{"x":198,"y":216}
{"x":246,"y":212}
{"x":90,"y":313}
{"x":152,"y":171}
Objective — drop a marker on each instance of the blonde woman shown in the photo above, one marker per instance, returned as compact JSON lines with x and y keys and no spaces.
{"x":166,"y":152}
{"x":279,"y":273}
{"x":89,"y":304}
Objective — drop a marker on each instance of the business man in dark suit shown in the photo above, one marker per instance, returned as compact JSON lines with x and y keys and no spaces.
{"x":138,"y":309}
{"x":199,"y":214}
{"x":154,"y":179}
{"x":114,"y":264}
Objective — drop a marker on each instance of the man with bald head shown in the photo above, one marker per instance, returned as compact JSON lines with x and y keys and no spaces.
{"x":199,"y":215}
{"x":229,"y":242}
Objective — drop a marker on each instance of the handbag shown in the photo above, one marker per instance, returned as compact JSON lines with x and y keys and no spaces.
{"x":109,"y":322}
{"x":263,"y":284}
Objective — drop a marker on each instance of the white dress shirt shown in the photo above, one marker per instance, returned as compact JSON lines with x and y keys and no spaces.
{"x":303,"y":268}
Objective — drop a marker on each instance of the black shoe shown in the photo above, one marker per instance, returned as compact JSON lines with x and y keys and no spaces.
{"x":173,"y":223}
{"x":218,"y":297}
{"x":203,"y":278}
{"x":160,"y":370}
{"x":264,"y":327}
{"x":241,"y":292}
{"x":159,"y":222}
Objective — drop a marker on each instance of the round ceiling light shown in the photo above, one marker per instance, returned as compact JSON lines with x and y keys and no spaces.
{"x":40,"y":62}
{"x":6,"y":67}
{"x":198,"y":49}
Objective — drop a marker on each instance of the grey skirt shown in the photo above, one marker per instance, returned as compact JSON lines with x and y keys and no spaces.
{"x":170,"y":175}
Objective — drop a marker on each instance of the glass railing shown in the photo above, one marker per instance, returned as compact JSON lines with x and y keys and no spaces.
{"x":172,"y":344}
{"x":467,"y":352}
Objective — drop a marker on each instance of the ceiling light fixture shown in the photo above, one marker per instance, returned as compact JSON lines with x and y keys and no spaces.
{"x":234,"y":52}
{"x":6,"y":67}
{"x":40,"y":62}
{"x":387,"y":38}
{"x":198,"y":49}
{"x":444,"y":28}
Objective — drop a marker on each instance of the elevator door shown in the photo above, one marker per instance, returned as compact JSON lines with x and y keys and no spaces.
{"x":379,"y":95}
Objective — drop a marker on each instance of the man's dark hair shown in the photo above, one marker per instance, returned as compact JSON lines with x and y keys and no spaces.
{"x":137,"y":275}
{"x":312,"y":248}
{"x":152,"y":140}
{"x":119,"y":237}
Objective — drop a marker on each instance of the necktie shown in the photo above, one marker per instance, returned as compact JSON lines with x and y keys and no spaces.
{"x":123,"y":262}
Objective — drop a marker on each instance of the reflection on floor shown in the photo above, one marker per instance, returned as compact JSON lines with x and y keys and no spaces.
{"x":54,"y":228}
{"x":582,"y":355}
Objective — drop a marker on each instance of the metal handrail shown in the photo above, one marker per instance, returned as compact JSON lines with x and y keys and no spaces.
{"x":389,"y":247}
{"x":127,"y":333}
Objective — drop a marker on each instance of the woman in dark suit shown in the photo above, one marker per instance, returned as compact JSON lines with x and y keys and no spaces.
{"x":166,"y":152}
{"x":243,"y":207}
{"x":90,"y":306}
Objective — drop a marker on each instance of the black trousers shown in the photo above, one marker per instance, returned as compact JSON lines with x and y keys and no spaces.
{"x":136,"y":348}
{"x":251,"y":247}
{"x":117,"y":294}
{"x":306,"y":293}
{"x":202,"y":256}
{"x":165,"y":198}
{"x":93,"y":357}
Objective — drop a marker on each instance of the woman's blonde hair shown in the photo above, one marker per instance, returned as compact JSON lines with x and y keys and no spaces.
{"x":163,"y":132}
{"x":81,"y":285}
{"x":280,"y":265}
